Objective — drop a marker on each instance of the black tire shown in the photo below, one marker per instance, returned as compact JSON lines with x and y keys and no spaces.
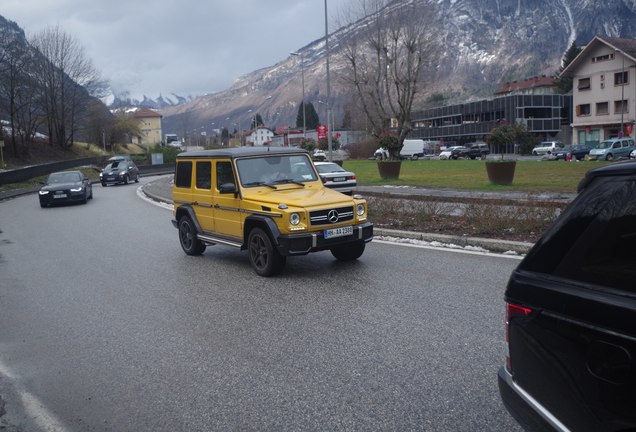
{"x":264,"y":257}
{"x":190,"y":244}
{"x":137,"y":179}
{"x":91,"y":195}
{"x":85,"y":200}
{"x":42,"y":205}
{"x":104,"y":184}
{"x":126,"y":179}
{"x":609,"y":157}
{"x":348,"y":252}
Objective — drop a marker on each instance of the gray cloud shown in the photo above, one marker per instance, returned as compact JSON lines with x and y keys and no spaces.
{"x":187,"y":47}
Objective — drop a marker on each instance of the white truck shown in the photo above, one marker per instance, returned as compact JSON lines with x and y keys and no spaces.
{"x":412,"y":149}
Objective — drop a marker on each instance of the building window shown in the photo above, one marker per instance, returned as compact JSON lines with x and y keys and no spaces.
{"x":584,"y":83}
{"x":621,"y":78}
{"x":583,"y":110}
{"x":621,"y":106}
{"x":603,"y":58}
{"x":602,"y":108}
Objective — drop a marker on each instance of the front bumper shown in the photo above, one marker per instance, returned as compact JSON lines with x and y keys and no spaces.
{"x":302,"y":244}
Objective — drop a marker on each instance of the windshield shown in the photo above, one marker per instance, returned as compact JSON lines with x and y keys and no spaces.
{"x":64,"y":177}
{"x":268,"y":170}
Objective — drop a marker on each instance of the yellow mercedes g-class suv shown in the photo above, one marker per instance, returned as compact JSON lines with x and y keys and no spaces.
{"x":269,"y":201}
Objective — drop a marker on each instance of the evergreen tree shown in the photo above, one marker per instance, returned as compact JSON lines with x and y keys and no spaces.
{"x":565,"y":82}
{"x":311,"y":116}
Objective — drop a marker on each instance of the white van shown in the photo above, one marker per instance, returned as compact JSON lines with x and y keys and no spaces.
{"x":412,"y":149}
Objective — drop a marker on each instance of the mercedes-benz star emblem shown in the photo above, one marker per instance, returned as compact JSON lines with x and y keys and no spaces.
{"x":332,"y":216}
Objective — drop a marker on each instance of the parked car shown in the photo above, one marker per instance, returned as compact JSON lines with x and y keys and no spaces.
{"x":119,"y":171}
{"x":319,"y":155}
{"x":336,"y":177}
{"x":446,"y":154}
{"x":578,"y":152}
{"x":547,"y":148}
{"x":613,"y":149}
{"x":64,"y":187}
{"x":473,"y":152}
{"x":571,"y":314}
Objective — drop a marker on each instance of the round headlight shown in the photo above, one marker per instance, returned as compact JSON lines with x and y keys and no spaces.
{"x":360,"y":209}
{"x":294,"y":218}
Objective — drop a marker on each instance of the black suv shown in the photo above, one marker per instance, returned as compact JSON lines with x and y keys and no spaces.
{"x":571,"y":314}
{"x":473,"y":152}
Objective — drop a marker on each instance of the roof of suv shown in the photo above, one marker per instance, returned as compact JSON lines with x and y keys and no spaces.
{"x":614,"y":169}
{"x":235,"y":152}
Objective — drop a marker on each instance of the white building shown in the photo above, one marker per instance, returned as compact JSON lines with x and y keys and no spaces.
{"x":604,"y":90}
{"x":260,"y":137}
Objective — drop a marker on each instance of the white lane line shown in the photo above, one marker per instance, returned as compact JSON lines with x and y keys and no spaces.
{"x":34,"y":409}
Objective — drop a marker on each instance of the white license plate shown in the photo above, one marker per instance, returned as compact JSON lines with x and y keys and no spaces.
{"x":338,"y":232}
{"x":339,"y":179}
{"x":59,"y":196}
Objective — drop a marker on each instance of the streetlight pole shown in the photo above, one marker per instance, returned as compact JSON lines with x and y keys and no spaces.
{"x":302,"y":74}
{"x":622,"y":94}
{"x":329,"y":146}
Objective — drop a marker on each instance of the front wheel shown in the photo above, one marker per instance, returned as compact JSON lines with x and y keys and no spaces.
{"x":190,"y":244}
{"x":348,"y":252}
{"x":264,"y":258}
{"x":126,"y":179}
{"x":609,"y":157}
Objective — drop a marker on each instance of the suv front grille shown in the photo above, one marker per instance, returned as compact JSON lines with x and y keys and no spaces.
{"x":331,"y":216}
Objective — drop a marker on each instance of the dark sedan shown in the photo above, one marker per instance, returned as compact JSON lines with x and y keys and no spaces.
{"x":64,"y":187}
{"x":119,"y":171}
{"x":335,"y":177}
{"x":578,"y":151}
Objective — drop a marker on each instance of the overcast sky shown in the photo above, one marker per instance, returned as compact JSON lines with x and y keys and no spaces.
{"x":187,"y":47}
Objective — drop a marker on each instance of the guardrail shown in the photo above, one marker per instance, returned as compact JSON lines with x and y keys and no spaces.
{"x":27,"y":173}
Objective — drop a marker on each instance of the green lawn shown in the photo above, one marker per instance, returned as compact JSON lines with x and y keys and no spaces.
{"x":531,"y":176}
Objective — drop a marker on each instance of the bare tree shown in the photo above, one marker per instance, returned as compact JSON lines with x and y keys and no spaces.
{"x":18,"y":98}
{"x":387,"y":56}
{"x":66,"y":75}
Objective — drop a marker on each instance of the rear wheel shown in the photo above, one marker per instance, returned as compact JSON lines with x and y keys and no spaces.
{"x":190,"y":244}
{"x":348,"y":252}
{"x":264,"y":257}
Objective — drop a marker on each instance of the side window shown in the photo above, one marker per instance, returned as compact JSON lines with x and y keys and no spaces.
{"x":224,"y":174}
{"x":183,"y":175}
{"x":204,"y":175}
{"x":594,"y":241}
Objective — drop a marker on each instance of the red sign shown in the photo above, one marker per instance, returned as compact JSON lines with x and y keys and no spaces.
{"x":322,"y":131}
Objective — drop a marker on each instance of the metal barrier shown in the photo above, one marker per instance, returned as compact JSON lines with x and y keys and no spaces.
{"x":27,"y":173}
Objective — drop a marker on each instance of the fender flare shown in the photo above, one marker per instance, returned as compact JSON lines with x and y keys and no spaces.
{"x":191,"y":214}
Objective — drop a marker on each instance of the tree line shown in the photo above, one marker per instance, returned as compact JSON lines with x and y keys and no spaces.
{"x":49,"y":86}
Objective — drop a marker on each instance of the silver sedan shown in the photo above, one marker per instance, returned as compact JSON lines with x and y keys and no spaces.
{"x":335,"y":177}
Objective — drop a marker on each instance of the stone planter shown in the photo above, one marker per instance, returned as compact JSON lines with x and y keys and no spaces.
{"x":501,"y":172}
{"x":389,"y":169}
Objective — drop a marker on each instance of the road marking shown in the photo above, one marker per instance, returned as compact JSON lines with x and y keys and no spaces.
{"x":33,"y":407}
{"x":448,"y":248}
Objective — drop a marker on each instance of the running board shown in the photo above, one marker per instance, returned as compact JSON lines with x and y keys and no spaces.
{"x":213,"y":240}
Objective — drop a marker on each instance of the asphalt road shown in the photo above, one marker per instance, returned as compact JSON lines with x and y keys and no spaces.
{"x":108,"y":326}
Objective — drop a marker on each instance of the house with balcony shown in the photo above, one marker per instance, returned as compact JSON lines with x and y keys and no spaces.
{"x":604,"y":90}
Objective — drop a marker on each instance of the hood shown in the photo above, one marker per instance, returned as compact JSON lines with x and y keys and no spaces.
{"x":296,"y":196}
{"x":60,"y":186}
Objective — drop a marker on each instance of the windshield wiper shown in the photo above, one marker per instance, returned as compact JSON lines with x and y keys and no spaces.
{"x":260,"y":183}
{"x":289,"y":181}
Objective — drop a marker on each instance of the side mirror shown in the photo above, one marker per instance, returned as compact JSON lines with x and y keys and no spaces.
{"x":227,"y":188}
